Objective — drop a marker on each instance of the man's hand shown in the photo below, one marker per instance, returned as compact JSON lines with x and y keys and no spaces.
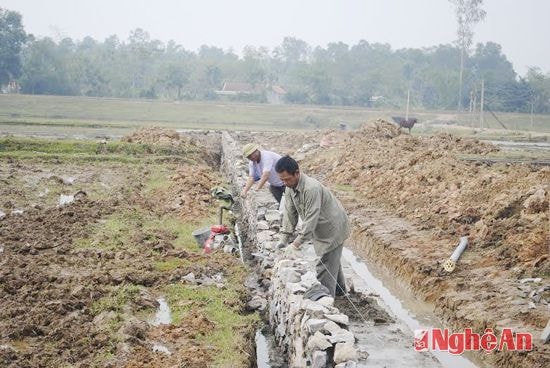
{"x":243,"y":194}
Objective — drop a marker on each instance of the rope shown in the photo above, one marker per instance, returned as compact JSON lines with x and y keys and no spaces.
{"x":343,"y":288}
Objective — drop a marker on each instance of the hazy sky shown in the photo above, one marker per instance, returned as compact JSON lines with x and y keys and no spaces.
{"x":521,"y":27}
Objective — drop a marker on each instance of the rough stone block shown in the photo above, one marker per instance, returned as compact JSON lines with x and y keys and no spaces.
{"x":296,"y":288}
{"x":350,"y":364}
{"x":342,"y":336}
{"x":332,"y":327}
{"x":309,"y":278}
{"x":257,"y":302}
{"x":318,"y":342}
{"x":327,"y":301}
{"x":264,"y":236}
{"x":338,"y":318}
{"x":288,"y":274}
{"x":273,"y":216}
{"x":314,"y":309}
{"x":344,"y":352}
{"x":319,"y":359}
{"x":315,"y":324}
{"x":262,"y":225}
{"x":545,"y":335}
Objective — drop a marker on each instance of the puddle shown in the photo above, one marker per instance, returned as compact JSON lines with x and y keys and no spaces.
{"x":262,"y":350}
{"x":2,"y":214}
{"x":70,"y":180}
{"x":411,"y":312}
{"x":268,"y":354}
{"x":163,"y":314}
{"x":65,"y":199}
{"x":161,"y":349}
{"x":17,"y":212}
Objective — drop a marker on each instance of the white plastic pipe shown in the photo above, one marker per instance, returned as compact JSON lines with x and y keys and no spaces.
{"x":450,"y":264}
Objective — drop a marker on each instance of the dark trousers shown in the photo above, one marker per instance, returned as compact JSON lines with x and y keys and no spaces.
{"x":329,"y":272}
{"x":277,"y":192}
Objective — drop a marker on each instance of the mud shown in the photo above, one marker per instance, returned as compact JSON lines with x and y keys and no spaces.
{"x":362,"y":308}
{"x":74,"y":294}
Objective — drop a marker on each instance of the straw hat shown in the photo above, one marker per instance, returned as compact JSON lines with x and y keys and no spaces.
{"x":249,"y":149}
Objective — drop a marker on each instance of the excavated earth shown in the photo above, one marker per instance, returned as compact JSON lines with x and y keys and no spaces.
{"x":412,"y":198}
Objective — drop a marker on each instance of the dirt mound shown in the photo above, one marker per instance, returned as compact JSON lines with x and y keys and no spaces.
{"x":156,"y":135}
{"x":431,"y":196}
{"x":502,"y":208}
{"x":380,"y":129}
{"x":188,"y":193}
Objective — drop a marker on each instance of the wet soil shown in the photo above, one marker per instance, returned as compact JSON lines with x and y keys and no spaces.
{"x":362,"y":308}
{"x":411,"y":198}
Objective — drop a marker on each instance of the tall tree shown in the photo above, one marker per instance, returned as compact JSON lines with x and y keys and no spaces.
{"x":12,"y":38}
{"x":468,"y":14}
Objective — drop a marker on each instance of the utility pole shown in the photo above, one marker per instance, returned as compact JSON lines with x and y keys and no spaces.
{"x":408,"y":97}
{"x":481,"y":103}
{"x":474,"y":104}
{"x":470,"y":115}
{"x":459,"y":107}
{"x":532,"y":110}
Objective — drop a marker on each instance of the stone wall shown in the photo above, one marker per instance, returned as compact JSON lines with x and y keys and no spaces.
{"x":311,"y":333}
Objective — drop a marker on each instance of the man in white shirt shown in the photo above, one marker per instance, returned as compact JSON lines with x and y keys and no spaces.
{"x":261,"y":169}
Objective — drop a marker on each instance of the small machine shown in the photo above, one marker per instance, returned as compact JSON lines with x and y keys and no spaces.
{"x":219,"y":236}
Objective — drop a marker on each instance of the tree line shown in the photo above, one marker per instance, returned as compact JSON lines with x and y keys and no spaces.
{"x":364,"y":74}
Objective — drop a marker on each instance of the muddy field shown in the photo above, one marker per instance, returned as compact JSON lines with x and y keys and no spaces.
{"x":92,"y":240}
{"x":93,"y":235}
{"x":411,"y":198}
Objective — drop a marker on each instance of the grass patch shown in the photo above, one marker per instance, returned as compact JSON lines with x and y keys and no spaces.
{"x":172,"y":263}
{"x":116,"y":300}
{"x":157,"y":180}
{"x":118,"y":231}
{"x":222,"y":307}
{"x":39,"y":146}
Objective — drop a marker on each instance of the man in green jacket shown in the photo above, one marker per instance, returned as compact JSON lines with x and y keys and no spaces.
{"x":324,"y":221}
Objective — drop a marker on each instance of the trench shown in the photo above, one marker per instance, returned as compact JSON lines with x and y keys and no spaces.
{"x":382,"y":312}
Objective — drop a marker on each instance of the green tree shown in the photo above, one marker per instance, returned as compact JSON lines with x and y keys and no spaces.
{"x":540,"y":87}
{"x":12,"y":39}
{"x":468,"y":13}
{"x":45,"y":70}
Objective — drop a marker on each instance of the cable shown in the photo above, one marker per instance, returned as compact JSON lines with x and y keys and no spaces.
{"x":343,"y":288}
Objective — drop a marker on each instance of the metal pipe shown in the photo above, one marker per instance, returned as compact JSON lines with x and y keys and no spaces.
{"x":220,"y":216}
{"x":450,"y":264}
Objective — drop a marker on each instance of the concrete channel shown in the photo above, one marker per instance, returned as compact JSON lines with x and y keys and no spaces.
{"x":373,"y":327}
